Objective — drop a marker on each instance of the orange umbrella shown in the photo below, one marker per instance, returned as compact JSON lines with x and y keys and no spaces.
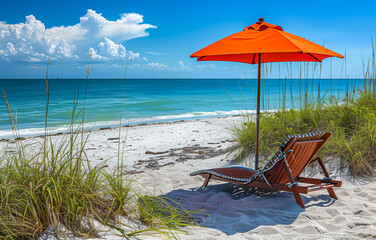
{"x":260,"y":43}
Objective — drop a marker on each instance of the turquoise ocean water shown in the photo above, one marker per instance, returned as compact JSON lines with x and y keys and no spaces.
{"x":149,"y":100}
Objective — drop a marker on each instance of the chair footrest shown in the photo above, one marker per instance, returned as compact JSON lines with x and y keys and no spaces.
{"x":320,"y":186}
{"x":335,"y":183}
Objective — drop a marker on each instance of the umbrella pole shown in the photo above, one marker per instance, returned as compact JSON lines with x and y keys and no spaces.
{"x":258,"y":113}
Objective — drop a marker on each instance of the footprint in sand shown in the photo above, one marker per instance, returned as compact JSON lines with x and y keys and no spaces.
{"x":372,"y":211}
{"x":267,"y":230}
{"x":310,"y":229}
{"x":367,"y":196}
{"x":339,"y":220}
{"x":330,"y":227}
{"x":333,"y":212}
{"x":343,"y":193}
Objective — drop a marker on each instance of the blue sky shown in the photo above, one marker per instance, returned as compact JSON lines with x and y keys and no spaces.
{"x":159,"y":36}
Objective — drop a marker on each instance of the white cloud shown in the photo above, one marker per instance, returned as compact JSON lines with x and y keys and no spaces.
{"x":161,"y":66}
{"x":135,"y":65}
{"x":204,"y":66}
{"x":112,"y":49}
{"x":156,"y":53}
{"x":157,"y":65}
{"x":32,"y":41}
{"x":96,"y":56}
{"x":182,"y":66}
{"x":153,"y":66}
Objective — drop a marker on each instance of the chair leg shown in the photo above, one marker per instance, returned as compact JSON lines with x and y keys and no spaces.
{"x":331,"y":193}
{"x":299,"y":199}
{"x":207,"y":178}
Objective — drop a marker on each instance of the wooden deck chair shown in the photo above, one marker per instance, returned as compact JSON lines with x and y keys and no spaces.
{"x":283,"y":170}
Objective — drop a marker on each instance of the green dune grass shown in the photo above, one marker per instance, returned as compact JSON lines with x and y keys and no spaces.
{"x":52,"y":185}
{"x":352,"y":120}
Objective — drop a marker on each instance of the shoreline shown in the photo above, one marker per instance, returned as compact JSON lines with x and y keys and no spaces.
{"x":136,"y":124}
{"x":148,"y":121}
{"x":111,"y":124}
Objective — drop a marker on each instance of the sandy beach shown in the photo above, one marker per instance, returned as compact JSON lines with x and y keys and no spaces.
{"x":108,"y":108}
{"x":161,"y":156}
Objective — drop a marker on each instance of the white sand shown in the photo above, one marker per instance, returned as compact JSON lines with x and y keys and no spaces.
{"x":167,"y":153}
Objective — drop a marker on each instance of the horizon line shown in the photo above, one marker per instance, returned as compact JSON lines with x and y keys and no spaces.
{"x":178,"y":78}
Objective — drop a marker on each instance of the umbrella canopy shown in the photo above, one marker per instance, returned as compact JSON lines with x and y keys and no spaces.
{"x":261,"y":43}
{"x":275,"y":45}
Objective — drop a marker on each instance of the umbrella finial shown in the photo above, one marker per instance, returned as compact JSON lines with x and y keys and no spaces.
{"x":261,"y":20}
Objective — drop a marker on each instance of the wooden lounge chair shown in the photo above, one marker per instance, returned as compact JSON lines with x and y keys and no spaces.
{"x":283,"y":170}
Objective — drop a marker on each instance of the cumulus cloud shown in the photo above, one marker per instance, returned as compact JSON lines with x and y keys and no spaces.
{"x":32,"y":41}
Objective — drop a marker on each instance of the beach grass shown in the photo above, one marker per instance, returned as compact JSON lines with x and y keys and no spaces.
{"x":352,"y":124}
{"x":53,"y":186}
{"x":56,"y":186}
{"x":351,"y":120}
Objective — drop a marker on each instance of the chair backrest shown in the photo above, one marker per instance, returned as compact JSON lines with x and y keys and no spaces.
{"x":298,"y":154}
{"x":286,"y":142}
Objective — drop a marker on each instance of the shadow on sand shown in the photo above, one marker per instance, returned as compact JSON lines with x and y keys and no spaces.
{"x":234,"y":209}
